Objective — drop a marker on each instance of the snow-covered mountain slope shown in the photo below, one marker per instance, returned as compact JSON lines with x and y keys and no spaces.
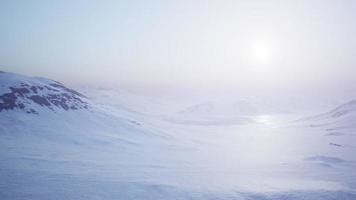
{"x":236,"y":108}
{"x":31,"y":95}
{"x":41,"y":110}
{"x":149,"y":105}
{"x":31,"y":105}
{"x":249,"y":104}
{"x":341,"y":117}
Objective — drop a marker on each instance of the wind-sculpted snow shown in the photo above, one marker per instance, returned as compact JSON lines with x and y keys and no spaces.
{"x":334,"y":121}
{"x":345,"y":109}
{"x":30,"y":94}
{"x":119,"y":151}
{"x":326,"y":160}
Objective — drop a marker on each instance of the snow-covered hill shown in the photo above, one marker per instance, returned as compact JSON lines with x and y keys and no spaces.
{"x":31,"y":95}
{"x":35,"y":106}
{"x":341,"y":117}
{"x":235,"y":108}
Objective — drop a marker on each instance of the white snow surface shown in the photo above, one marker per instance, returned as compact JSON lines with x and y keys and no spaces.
{"x":119,"y":149}
{"x":340,"y":118}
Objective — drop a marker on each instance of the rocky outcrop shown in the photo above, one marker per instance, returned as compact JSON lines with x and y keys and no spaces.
{"x":29,"y":96}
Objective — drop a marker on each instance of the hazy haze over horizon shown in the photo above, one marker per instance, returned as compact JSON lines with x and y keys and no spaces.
{"x":204,"y":44}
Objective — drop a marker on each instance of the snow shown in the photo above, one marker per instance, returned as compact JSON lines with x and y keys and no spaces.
{"x":11,"y":79}
{"x":121,"y":149}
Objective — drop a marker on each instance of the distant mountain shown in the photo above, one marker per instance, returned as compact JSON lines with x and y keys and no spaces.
{"x":226,"y":108}
{"x":343,"y":110}
{"x":343,"y":116}
{"x":33,"y":94}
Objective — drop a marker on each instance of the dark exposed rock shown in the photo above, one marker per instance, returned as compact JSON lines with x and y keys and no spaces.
{"x":21,"y":105}
{"x":23,"y":95}
{"x":58,"y":100}
{"x":42,"y":101}
{"x":31,"y":111}
{"x":8,"y":101}
{"x":21,"y":91}
{"x":34,"y":89}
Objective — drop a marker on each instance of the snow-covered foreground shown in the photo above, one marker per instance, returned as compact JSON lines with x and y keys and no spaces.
{"x":177,"y":161}
{"x":114,"y":151}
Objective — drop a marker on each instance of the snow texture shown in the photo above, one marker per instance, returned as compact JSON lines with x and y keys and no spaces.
{"x":113,"y":146}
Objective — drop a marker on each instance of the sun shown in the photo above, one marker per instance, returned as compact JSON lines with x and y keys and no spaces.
{"x":261,"y":53}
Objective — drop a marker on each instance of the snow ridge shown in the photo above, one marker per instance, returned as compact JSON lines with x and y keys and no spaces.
{"x":31,"y":94}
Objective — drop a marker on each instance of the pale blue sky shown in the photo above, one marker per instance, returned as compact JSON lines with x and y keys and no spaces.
{"x":181,"y":43}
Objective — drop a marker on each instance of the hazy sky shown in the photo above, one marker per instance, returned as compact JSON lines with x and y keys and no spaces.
{"x":181,"y":43}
